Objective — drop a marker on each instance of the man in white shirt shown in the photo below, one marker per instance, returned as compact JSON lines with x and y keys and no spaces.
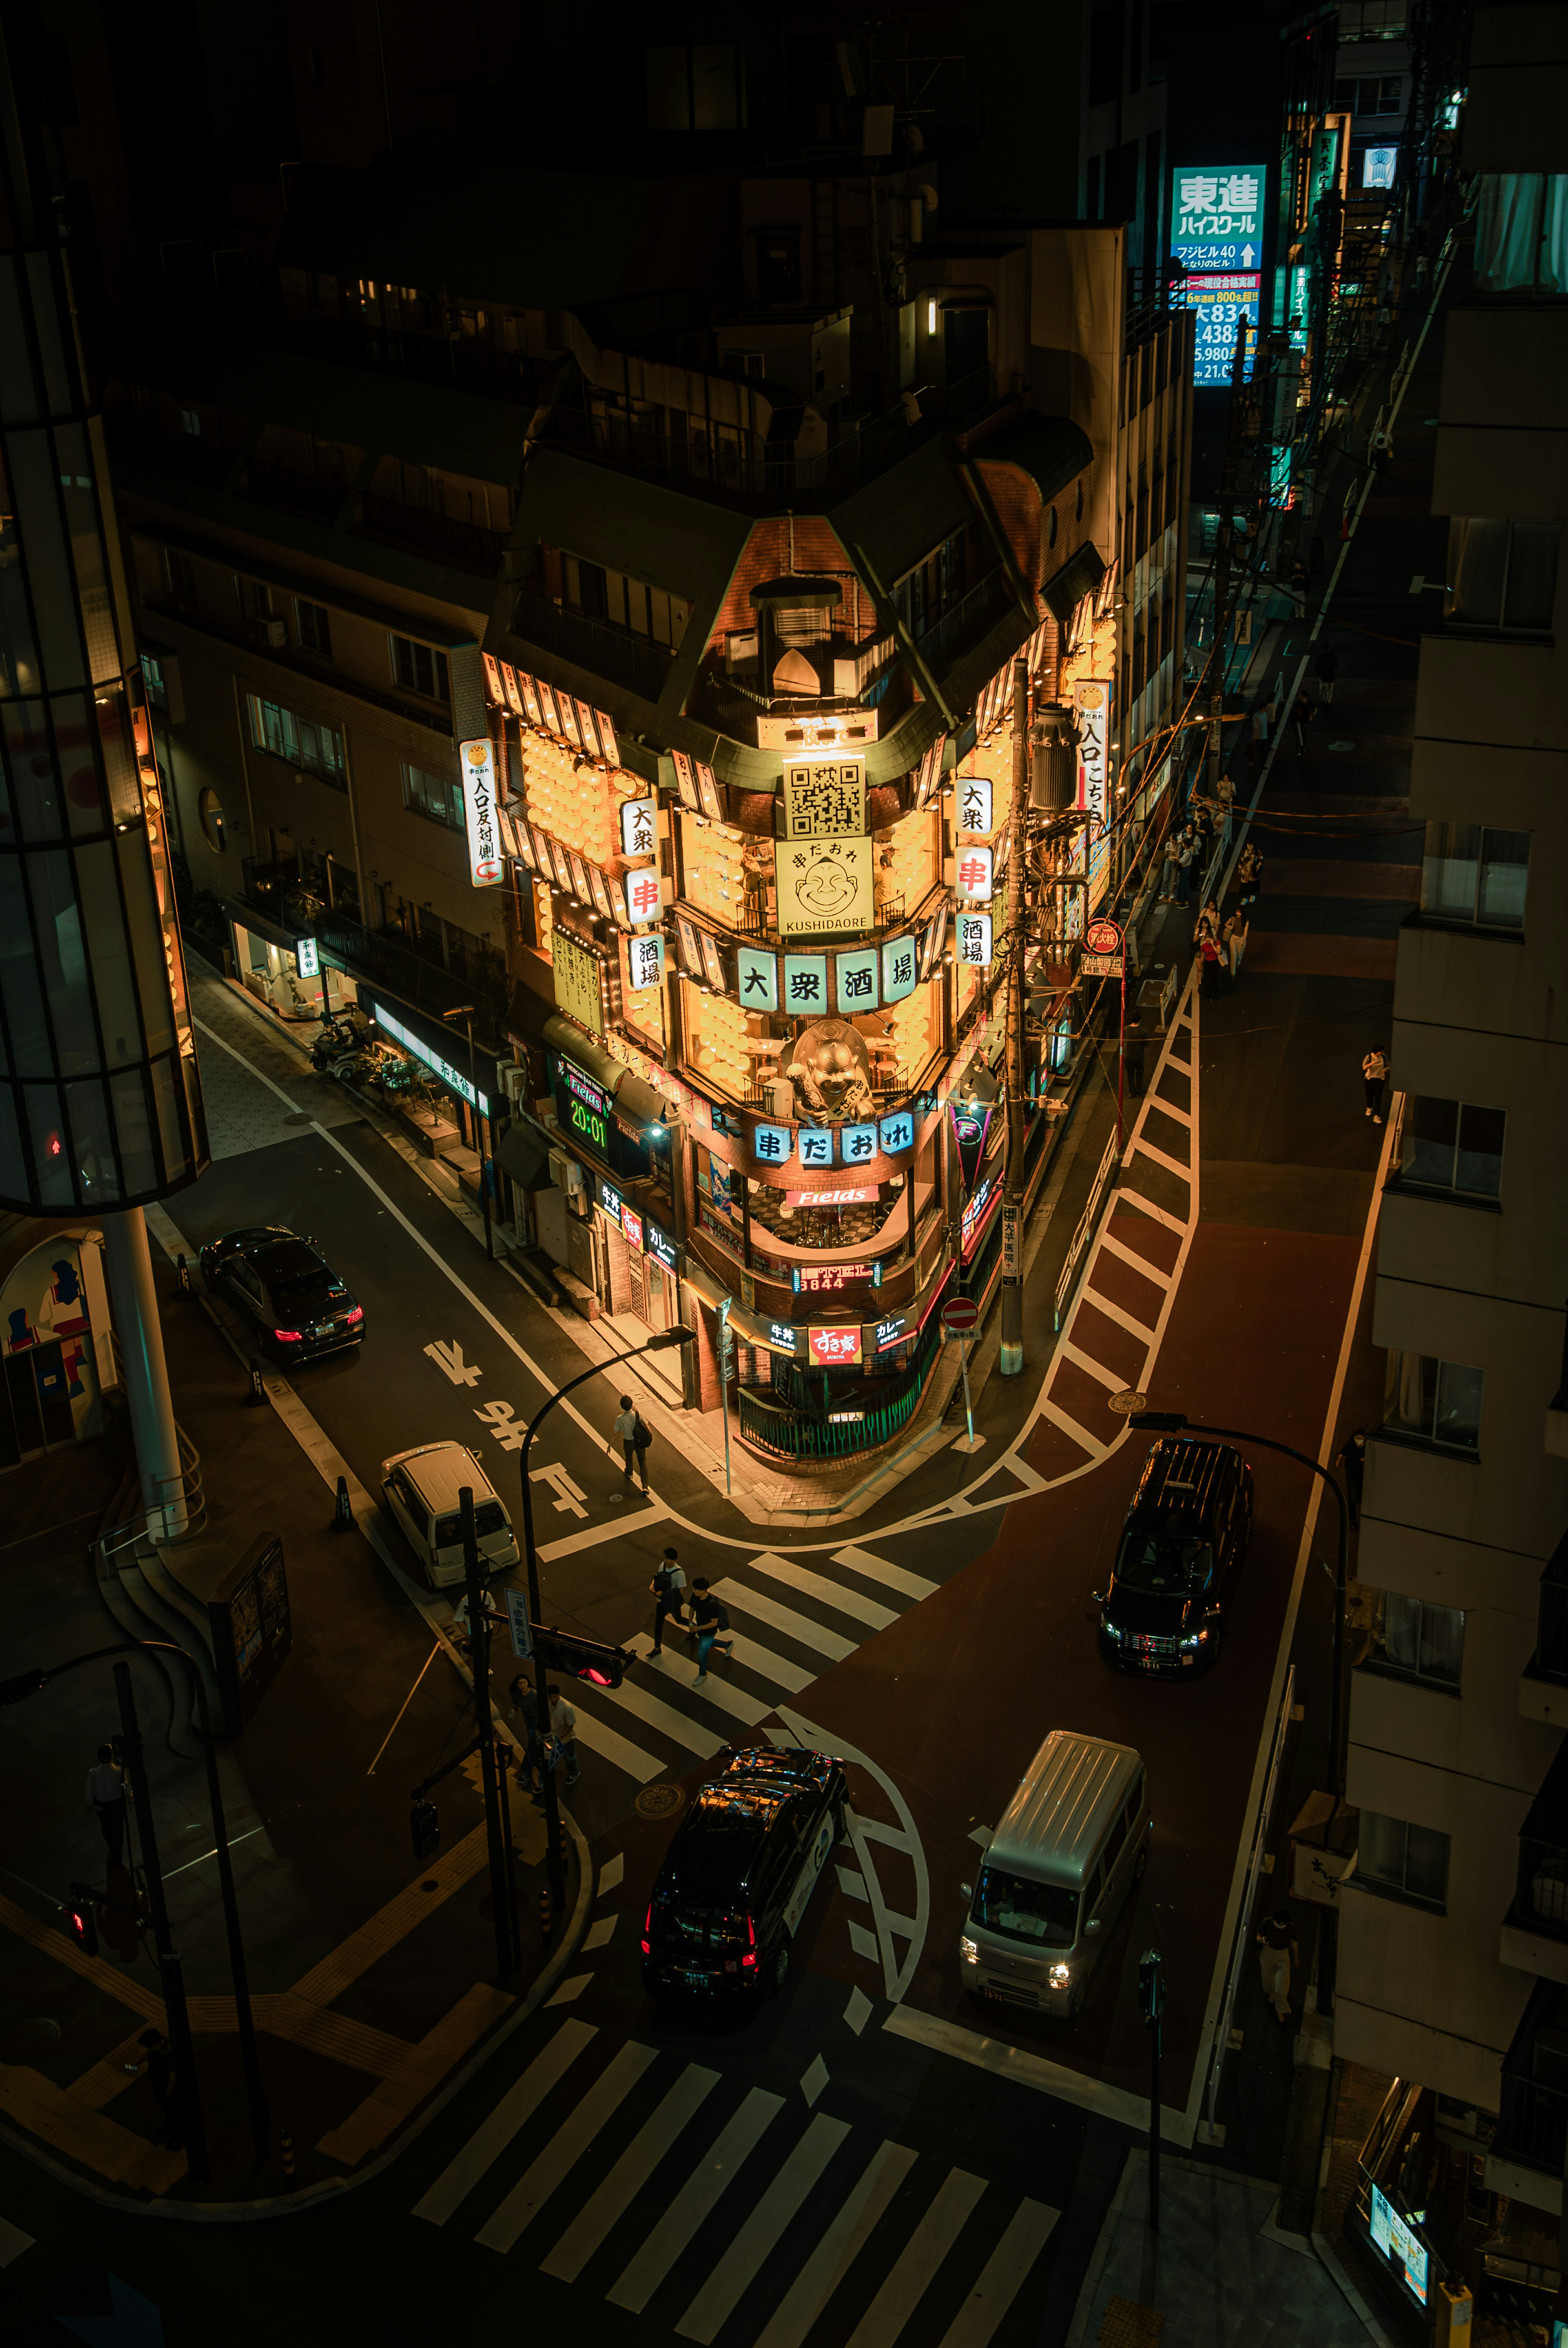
{"x":563,"y":1733}
{"x":634,"y":1436}
{"x":106,"y":1799}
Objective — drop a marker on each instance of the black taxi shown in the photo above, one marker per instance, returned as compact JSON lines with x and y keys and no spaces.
{"x":739,"y":1874}
{"x":1179,"y":1558}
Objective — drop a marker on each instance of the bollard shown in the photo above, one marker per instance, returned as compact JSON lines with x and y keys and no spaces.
{"x":182,"y":1275}
{"x":343,"y":1511}
{"x":563,"y":1843}
{"x":286,"y":2147}
{"x":546,"y":1917}
{"x":258,"y":1391}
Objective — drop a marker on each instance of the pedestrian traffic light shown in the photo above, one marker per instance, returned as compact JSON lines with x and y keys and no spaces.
{"x":83,"y":1926}
{"x":1151,"y":1985}
{"x":426,"y":1825}
{"x":585,"y":1659}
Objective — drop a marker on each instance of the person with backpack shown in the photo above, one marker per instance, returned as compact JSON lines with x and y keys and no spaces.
{"x":709,"y":1618}
{"x":668,"y":1585}
{"x":526,"y":1707}
{"x":635,"y":1438}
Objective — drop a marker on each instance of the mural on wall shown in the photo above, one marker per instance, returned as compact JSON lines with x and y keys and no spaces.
{"x":44,"y":1316}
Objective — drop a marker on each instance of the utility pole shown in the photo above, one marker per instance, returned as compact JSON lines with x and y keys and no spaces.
{"x":1010,"y":1358}
{"x":1151,"y":1997}
{"x":1220,"y":655}
{"x":170,"y":1964}
{"x":509,"y":1950}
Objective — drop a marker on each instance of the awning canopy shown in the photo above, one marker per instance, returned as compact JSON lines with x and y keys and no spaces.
{"x":523,"y":1155}
{"x":1078,"y":577}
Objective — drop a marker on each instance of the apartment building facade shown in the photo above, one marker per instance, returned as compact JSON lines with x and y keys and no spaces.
{"x":1454,"y":1942}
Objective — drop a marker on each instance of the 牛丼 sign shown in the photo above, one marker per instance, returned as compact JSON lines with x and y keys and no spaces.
{"x":477,"y":760}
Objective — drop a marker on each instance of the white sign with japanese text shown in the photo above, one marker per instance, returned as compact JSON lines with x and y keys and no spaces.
{"x":478,"y":764}
{"x":637,"y":831}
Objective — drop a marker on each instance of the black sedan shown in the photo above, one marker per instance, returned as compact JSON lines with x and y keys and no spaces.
{"x":738,"y":1875}
{"x":293,"y":1301}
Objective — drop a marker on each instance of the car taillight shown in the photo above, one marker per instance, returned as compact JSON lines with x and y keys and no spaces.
{"x":749,"y":1958}
{"x":647,"y":1927}
{"x":356,"y":1314}
{"x":287,"y":1337}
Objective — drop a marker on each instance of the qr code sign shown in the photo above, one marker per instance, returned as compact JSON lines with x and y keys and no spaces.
{"x":825,"y":800}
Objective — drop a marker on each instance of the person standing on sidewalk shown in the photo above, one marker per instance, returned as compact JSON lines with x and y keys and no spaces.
{"x":1168,"y":869}
{"x":633,"y":1439}
{"x":669,"y":1586}
{"x":708,"y":1620}
{"x":1207,"y":923}
{"x":1325,"y":669}
{"x":1374,"y":1076}
{"x":1132,"y":1057}
{"x":1352,"y":1465}
{"x":526,"y":1708}
{"x":1299,"y":589}
{"x":1209,"y":952}
{"x":107,"y":1798}
{"x":158,"y":2062}
{"x":1233,"y":939}
{"x":1260,"y":734}
{"x":1277,"y":1952}
{"x":1186,"y":848}
{"x":563,"y":1735}
{"x":1224,"y":792}
{"x":1249,"y":876}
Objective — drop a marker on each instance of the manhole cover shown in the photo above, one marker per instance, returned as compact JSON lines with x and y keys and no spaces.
{"x":660,"y":1801}
{"x":26,"y":2041}
{"x":1127,"y":1402}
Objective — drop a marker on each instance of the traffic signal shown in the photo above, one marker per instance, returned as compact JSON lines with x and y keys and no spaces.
{"x":585,"y":1659}
{"x":83,"y":1926}
{"x":425,"y":1825}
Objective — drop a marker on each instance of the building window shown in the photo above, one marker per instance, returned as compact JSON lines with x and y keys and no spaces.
{"x":1471,"y":873}
{"x":1451,"y":1146}
{"x":434,"y":795}
{"x":180,"y":573}
{"x":419,"y":668}
{"x":1419,"y":1640}
{"x":693,"y":88}
{"x":1411,"y":1861}
{"x":1522,"y":233}
{"x":209,"y":811}
{"x":627,"y":602}
{"x":314,"y":625}
{"x":1504,"y":574}
{"x":152,"y":677}
{"x":189,"y":421}
{"x":1369,"y":93}
{"x":304,"y":741}
{"x":778,"y":267}
{"x":1429,"y":1401}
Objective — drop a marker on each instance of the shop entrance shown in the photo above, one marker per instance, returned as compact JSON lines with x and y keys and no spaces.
{"x":652,"y":1292}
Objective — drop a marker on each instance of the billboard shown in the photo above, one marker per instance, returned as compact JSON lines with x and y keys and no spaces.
{"x":478,"y":764}
{"x":1217,"y":215}
{"x":1221,"y":302}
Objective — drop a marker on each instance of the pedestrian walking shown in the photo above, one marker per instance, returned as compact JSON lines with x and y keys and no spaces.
{"x":1209,"y":951}
{"x":106,"y":1799}
{"x":1375,"y":1073}
{"x":1204,"y":825}
{"x":668,"y":1588}
{"x":1224,"y":791}
{"x":1299,"y":588}
{"x":1168,"y":870}
{"x":709,"y":1620}
{"x":1325,"y":668}
{"x":489,"y":1610}
{"x":1259,"y":729}
{"x":1233,"y":941}
{"x":525,"y":1709}
{"x":158,"y":2062}
{"x":1276,"y":1951}
{"x":1352,"y":1465}
{"x":1249,"y":876}
{"x":563,"y":1734}
{"x":1207,"y":923}
{"x":635,"y":1439}
{"x":1186,"y":850}
{"x":1132,"y":1057}
{"x":1423,"y":257}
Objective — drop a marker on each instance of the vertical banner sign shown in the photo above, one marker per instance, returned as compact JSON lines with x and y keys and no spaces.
{"x":479,"y":812}
{"x":517,"y":1620}
{"x":1091,"y":700}
{"x":824,"y":863}
{"x":577,"y":981}
{"x":1012,"y":1250}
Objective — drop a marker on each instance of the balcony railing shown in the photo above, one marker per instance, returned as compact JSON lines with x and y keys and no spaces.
{"x":962,"y":626}
{"x":1549,"y":1660}
{"x":1541,"y":1889}
{"x":439,"y":536}
{"x":316,"y":497}
{"x":1533,"y":2111}
{"x":594,"y":644}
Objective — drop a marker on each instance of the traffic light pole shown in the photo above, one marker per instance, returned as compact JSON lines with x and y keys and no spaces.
{"x":1009,"y":1357}
{"x":503,"y":1881}
{"x":169,"y":1965}
{"x":1152,"y":1992}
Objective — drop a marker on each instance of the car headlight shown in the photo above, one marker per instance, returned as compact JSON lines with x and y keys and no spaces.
{"x":1195,"y":1639}
{"x":969,"y":1950}
{"x":1110,"y":1631}
{"x":1059,"y":1976}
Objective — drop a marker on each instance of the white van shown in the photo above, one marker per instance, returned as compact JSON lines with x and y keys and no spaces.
{"x":1071,"y":1845}
{"x":421,"y":1488}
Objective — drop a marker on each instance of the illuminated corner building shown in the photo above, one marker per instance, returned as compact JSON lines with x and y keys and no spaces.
{"x":1453,"y":1972}
{"x":100,"y":1105}
{"x":756,"y":719}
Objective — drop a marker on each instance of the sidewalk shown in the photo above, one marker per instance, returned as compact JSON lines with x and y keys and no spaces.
{"x":373,"y":1981}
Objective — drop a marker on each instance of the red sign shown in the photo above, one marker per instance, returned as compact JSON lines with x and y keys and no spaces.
{"x":1103,"y":937}
{"x":960,"y":1313}
{"x":826,"y":1279}
{"x":866,"y":1198}
{"x":835,"y":1349}
{"x":632,"y":1224}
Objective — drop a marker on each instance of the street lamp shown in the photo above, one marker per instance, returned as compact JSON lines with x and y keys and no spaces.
{"x":1173,"y":1422}
{"x":30,"y":1682}
{"x":656,"y":1345}
{"x":464,"y":1011}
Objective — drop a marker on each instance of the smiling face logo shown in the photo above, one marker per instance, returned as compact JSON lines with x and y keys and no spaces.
{"x":827,"y":887}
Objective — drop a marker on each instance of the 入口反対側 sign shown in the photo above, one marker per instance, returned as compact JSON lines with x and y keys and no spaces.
{"x":477,"y":760}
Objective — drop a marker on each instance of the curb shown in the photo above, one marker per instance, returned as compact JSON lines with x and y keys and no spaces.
{"x":228,"y":2213}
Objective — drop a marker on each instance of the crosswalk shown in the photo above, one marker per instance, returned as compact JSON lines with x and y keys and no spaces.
{"x":789,"y":1623}
{"x":733,"y":2214}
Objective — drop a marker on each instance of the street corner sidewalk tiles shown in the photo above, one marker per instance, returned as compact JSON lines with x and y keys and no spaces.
{"x":1127,"y":2325}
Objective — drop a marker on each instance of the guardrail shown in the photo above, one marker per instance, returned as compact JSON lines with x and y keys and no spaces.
{"x":783,"y":1433}
{"x":1241,"y":1943}
{"x":1086,"y":1221}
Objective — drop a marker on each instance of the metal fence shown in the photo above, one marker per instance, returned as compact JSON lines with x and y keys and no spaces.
{"x":1242,"y":1942}
{"x":635,"y":662}
{"x":824,"y":1436}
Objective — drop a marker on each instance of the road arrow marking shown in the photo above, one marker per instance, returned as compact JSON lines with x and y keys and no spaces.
{"x":448,"y":1360}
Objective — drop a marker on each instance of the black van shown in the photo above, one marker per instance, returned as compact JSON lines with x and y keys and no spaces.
{"x":1181,"y":1546}
{"x":739,"y":1874}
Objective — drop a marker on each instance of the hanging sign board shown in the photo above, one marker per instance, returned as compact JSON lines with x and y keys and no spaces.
{"x":478,"y":764}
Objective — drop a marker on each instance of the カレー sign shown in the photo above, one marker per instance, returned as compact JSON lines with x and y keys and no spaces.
{"x":835,"y":1348}
{"x":477,"y":760}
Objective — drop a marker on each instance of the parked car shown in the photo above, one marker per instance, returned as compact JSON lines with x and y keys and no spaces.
{"x":1179,"y":1558}
{"x":738,"y":1875}
{"x":421,"y":1488}
{"x":1072,"y":1844}
{"x":291,"y":1297}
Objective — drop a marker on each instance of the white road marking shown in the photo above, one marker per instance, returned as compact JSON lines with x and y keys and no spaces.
{"x":1162,"y":1158}
{"x":509,"y":1431}
{"x":1027,"y":2070}
{"x":850,"y":2229}
{"x":813,"y":2079}
{"x":743,"y":2259}
{"x":864,"y":1944}
{"x":570,"y":1494}
{"x":877,"y":1569}
{"x":654,"y":2138}
{"x":678,"y":1726}
{"x":1003,"y":2275}
{"x":1127,"y":1196}
{"x":1113,"y":1312}
{"x":904,"y":1837}
{"x":617,"y":1749}
{"x":748,"y":1709}
{"x":567,"y":2146}
{"x":448,"y":1360}
{"x":591,"y":1535}
{"x":570,"y":1990}
{"x":1113,"y":1246}
{"x":852,"y":1884}
{"x":918,"y":2263}
{"x":495,"y":2131}
{"x":858,"y":2010}
{"x":1080,"y":1435}
{"x":798,"y":1627}
{"x":12,"y":2241}
{"x":601,"y":1931}
{"x":826,"y":1593}
{"x":695,"y":2201}
{"x":610,"y":1873}
{"x":1111,"y":1379}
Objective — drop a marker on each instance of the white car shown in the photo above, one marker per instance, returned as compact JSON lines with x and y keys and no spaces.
{"x":421,"y":1488}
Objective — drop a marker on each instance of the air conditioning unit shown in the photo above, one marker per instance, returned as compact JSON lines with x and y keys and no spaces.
{"x":566,"y":1175}
{"x":276,"y":632}
{"x":514,"y":1083}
